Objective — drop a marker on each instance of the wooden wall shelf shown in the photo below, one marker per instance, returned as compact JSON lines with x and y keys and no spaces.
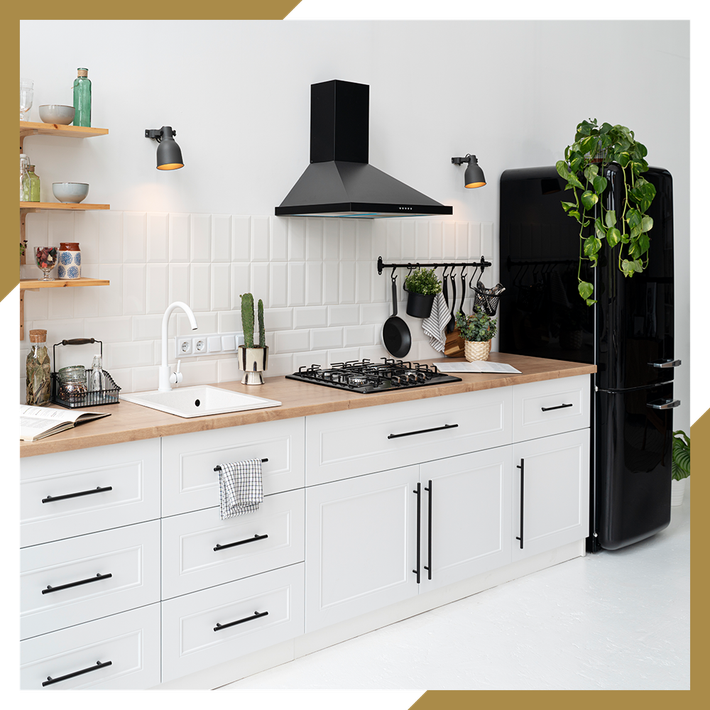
{"x":30,"y":128}
{"x":34,"y":284}
{"x":73,"y":206}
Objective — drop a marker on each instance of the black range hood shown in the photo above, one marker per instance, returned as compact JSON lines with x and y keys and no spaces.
{"x":340,"y":182}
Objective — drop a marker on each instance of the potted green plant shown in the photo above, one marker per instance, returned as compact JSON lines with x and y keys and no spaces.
{"x":253,"y":358}
{"x":680,"y":466}
{"x":477,"y":331}
{"x":421,"y":286}
{"x":584,"y":167}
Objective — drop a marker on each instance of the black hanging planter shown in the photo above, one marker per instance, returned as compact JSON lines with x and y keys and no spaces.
{"x":419,"y":305}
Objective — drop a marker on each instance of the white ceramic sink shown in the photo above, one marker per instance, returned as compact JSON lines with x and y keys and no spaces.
{"x":199,"y":401}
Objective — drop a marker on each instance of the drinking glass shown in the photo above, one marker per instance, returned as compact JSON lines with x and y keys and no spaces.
{"x":26,"y":96}
{"x":46,"y":258}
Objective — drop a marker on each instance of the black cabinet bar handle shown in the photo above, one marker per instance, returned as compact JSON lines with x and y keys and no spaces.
{"x":240,"y":542}
{"x":427,"y":567}
{"x":418,"y":492}
{"x":522,"y":499}
{"x":97,"y":578}
{"x":423,"y":431}
{"x":98,"y":665}
{"x":666,"y":364}
{"x":257,"y":615}
{"x":669,"y":404}
{"x":98,"y":489}
{"x":559,"y":406}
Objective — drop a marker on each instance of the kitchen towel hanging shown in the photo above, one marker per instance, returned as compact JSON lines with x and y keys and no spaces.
{"x":434,"y":325}
{"x":241,"y":488}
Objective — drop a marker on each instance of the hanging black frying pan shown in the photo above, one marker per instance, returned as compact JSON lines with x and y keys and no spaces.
{"x":395,"y":332}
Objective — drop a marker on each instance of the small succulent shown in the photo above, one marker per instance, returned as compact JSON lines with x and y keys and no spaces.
{"x":248,"y":321}
{"x":478,"y":327}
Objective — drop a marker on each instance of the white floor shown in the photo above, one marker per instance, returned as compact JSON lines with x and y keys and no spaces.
{"x":613,"y":620}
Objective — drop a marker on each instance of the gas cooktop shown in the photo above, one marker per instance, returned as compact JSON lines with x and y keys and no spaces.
{"x":366,"y":377}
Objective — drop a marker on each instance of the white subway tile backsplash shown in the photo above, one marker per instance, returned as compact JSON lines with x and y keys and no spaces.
{"x":324,"y":300}
{"x":134,"y":239}
{"x":221,"y":237}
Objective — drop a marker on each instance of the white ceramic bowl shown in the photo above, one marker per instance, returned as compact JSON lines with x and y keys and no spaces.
{"x":70,"y":191}
{"x":55,"y":113}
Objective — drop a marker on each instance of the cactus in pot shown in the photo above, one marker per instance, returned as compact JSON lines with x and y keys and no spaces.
{"x":253,"y":358}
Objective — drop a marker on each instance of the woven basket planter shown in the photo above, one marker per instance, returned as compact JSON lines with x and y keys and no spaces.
{"x":476,"y":351}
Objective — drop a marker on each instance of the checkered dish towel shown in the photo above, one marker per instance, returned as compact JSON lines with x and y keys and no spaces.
{"x":240,"y":487}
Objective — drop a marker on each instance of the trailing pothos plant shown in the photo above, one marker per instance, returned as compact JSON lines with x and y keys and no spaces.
{"x":625,"y":228}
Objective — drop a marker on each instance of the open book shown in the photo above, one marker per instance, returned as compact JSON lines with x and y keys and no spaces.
{"x":38,"y":422}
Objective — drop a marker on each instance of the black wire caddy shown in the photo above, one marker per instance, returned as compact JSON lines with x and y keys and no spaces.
{"x":83,"y":397}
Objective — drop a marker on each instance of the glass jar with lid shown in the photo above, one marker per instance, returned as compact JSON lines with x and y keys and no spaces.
{"x":72,"y":386}
{"x":38,"y":380}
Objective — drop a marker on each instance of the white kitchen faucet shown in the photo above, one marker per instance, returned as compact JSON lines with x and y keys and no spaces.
{"x":166,"y":378}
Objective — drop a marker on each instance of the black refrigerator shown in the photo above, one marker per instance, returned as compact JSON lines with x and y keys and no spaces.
{"x":628,"y":334}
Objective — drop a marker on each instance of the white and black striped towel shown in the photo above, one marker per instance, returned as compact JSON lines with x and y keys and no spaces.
{"x":434,"y":325}
{"x":241,"y":489}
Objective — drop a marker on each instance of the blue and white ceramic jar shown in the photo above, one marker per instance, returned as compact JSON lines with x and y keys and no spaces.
{"x":69,"y":266}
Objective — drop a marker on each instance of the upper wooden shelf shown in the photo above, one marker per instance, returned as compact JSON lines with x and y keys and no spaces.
{"x":31,"y":284}
{"x":31,"y":206}
{"x":28,"y":128}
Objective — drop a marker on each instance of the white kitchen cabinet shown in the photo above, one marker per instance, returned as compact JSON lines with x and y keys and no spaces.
{"x":550,"y":492}
{"x":231,"y":620}
{"x":83,"y":578}
{"x":188,"y":461}
{"x":358,"y":441}
{"x":360,"y":545}
{"x":118,"y":652}
{"x":76,"y":492}
{"x":364,"y":509}
{"x":200,"y":550}
{"x":465,"y":516}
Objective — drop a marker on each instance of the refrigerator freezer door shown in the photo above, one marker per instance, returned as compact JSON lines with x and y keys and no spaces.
{"x":633,"y":448}
{"x":635,"y":314}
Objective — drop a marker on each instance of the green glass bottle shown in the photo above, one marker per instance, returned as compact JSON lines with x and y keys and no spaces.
{"x":82,"y":98}
{"x":34,"y":184}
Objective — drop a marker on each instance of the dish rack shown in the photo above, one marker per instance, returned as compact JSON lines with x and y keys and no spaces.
{"x":107,"y":395}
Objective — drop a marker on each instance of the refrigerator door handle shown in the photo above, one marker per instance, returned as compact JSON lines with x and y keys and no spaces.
{"x":668,"y":404}
{"x":665,"y":364}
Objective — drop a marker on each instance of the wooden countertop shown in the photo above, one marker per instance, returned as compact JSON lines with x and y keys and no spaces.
{"x":132,"y":422}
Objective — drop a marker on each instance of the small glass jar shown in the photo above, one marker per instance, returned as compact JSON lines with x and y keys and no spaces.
{"x":69,"y":266}
{"x":72,"y":386}
{"x":38,"y":381}
{"x":24,"y":178}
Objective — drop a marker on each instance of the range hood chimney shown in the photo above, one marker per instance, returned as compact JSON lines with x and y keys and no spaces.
{"x":340,"y":182}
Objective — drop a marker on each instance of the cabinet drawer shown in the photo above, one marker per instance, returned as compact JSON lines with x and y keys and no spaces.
{"x":247,"y":544}
{"x":190,"y":481}
{"x":344,"y":444}
{"x":90,"y":576}
{"x":249,"y":615}
{"x":77,"y":492}
{"x":550,"y":407}
{"x":118,"y":652}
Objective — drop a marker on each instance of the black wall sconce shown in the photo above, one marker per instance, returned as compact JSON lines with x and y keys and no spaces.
{"x":473,"y":177}
{"x":169,"y":154}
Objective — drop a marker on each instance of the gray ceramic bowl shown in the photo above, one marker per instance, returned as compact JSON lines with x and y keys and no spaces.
{"x":70,"y":191}
{"x":55,"y":113}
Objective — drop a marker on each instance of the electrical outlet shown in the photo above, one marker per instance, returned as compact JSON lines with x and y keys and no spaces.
{"x":207,"y":344}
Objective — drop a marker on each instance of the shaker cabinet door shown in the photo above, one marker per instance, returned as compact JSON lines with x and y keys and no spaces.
{"x":360,"y":545}
{"x":550,"y":492}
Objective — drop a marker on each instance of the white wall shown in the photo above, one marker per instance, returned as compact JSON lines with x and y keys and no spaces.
{"x":238,"y":95}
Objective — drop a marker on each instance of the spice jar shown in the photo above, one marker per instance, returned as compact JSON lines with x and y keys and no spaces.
{"x":39,"y":378}
{"x":72,"y":386}
{"x":69,"y":261}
